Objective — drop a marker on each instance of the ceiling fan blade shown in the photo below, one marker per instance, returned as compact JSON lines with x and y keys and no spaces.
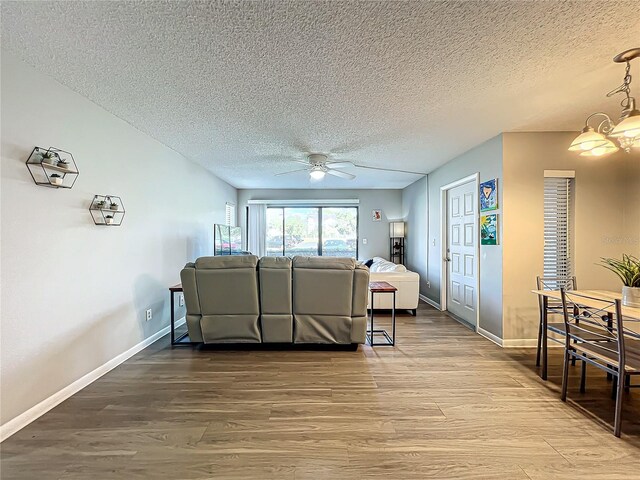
{"x":389,"y":170}
{"x":339,"y":164}
{"x":291,"y":171}
{"x":341,"y":174}
{"x":304,"y":162}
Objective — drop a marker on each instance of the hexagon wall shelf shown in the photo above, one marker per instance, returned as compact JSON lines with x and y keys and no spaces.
{"x":107,"y":210}
{"x":52,"y":167}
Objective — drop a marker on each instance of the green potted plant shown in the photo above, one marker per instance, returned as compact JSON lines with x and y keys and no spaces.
{"x":49,"y":157}
{"x":628,"y":270}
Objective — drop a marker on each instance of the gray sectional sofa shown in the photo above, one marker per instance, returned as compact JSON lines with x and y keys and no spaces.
{"x":304,"y":300}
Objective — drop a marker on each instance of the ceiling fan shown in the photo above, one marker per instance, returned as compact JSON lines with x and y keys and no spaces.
{"x":318,"y":165}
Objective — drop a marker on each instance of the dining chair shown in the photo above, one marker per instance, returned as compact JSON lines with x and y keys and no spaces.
{"x":598,"y":336}
{"x":548,"y":306}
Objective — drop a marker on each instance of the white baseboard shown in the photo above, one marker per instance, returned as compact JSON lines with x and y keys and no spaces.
{"x":24,"y":419}
{"x":426,"y":299}
{"x":525,"y":343}
{"x":490,"y":336}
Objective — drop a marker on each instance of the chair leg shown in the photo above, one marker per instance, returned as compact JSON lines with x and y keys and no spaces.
{"x":583,"y":377}
{"x":565,"y":375}
{"x":539,"y":344}
{"x":617,"y":424}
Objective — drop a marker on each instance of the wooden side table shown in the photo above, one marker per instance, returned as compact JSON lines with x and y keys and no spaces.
{"x":382,"y":287}
{"x":182,"y":340}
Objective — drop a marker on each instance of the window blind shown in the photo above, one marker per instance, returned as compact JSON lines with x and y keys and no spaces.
{"x":557,"y":227}
{"x":230,"y":215}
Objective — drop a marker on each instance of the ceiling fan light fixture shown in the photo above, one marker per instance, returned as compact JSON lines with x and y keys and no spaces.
{"x":317,"y":173}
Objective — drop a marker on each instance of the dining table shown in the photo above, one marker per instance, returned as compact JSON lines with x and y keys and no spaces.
{"x":602,"y":299}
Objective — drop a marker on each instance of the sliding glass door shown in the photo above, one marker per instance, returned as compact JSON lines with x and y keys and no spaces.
{"x":340,"y":232}
{"x":301,"y":232}
{"x":312,"y":231}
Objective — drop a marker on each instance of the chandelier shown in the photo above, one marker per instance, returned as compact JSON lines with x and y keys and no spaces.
{"x":599,"y":141}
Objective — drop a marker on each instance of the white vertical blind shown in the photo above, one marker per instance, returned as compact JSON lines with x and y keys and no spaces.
{"x":557,"y":227}
{"x":230,"y":215}
{"x":257,"y":229}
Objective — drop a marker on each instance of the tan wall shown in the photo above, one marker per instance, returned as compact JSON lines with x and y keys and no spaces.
{"x":607,"y":218}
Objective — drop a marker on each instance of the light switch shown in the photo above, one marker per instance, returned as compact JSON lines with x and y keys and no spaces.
{"x":364,"y":241}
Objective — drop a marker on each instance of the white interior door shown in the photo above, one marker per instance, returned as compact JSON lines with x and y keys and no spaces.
{"x":462,"y":297}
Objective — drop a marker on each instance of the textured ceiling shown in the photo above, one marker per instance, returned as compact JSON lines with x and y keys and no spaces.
{"x":240,"y":86}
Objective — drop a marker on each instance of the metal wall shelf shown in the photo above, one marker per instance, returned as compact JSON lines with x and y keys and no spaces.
{"x":105,"y":216}
{"x":43,"y":161}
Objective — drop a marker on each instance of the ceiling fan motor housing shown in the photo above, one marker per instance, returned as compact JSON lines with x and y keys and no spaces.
{"x":317,"y":159}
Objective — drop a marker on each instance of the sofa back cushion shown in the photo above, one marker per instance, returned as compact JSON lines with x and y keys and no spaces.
{"x":275,"y":285}
{"x":381,"y":265}
{"x":323,"y":285}
{"x":228,"y":285}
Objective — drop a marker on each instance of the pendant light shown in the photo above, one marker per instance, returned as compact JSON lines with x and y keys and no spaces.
{"x":596,"y":142}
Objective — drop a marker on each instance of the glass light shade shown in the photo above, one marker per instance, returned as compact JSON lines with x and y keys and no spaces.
{"x":587,"y":140}
{"x":600,"y":150}
{"x":316,"y":174}
{"x":629,"y":127}
{"x":396,"y":230}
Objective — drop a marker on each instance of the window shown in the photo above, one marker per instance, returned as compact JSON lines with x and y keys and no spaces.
{"x":558,"y":225}
{"x":312,"y":231}
{"x":230,"y":214}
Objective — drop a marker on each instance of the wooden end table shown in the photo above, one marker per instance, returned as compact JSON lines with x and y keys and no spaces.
{"x":382,"y":287}
{"x":183,"y":340}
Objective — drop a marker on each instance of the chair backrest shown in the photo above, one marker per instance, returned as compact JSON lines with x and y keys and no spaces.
{"x":596,"y":322}
{"x":554,"y":283}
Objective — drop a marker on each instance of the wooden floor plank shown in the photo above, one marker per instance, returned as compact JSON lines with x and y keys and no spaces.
{"x":444,"y":403}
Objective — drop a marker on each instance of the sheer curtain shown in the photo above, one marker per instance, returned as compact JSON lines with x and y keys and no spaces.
{"x":257,"y":226}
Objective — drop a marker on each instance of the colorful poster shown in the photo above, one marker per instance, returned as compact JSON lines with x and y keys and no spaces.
{"x":489,"y":195}
{"x":489,"y":229}
{"x":376,"y":215}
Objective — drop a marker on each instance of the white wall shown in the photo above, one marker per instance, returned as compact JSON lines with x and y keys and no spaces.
{"x":376,"y":233}
{"x":607,"y":218}
{"x":74,"y":294}
{"x":487,"y":160}
{"x":414,"y":212}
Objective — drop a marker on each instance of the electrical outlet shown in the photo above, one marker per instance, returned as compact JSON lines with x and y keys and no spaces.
{"x":428,"y":284}
{"x":149,"y":314}
{"x":364,"y":241}
{"x":181,"y":301}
